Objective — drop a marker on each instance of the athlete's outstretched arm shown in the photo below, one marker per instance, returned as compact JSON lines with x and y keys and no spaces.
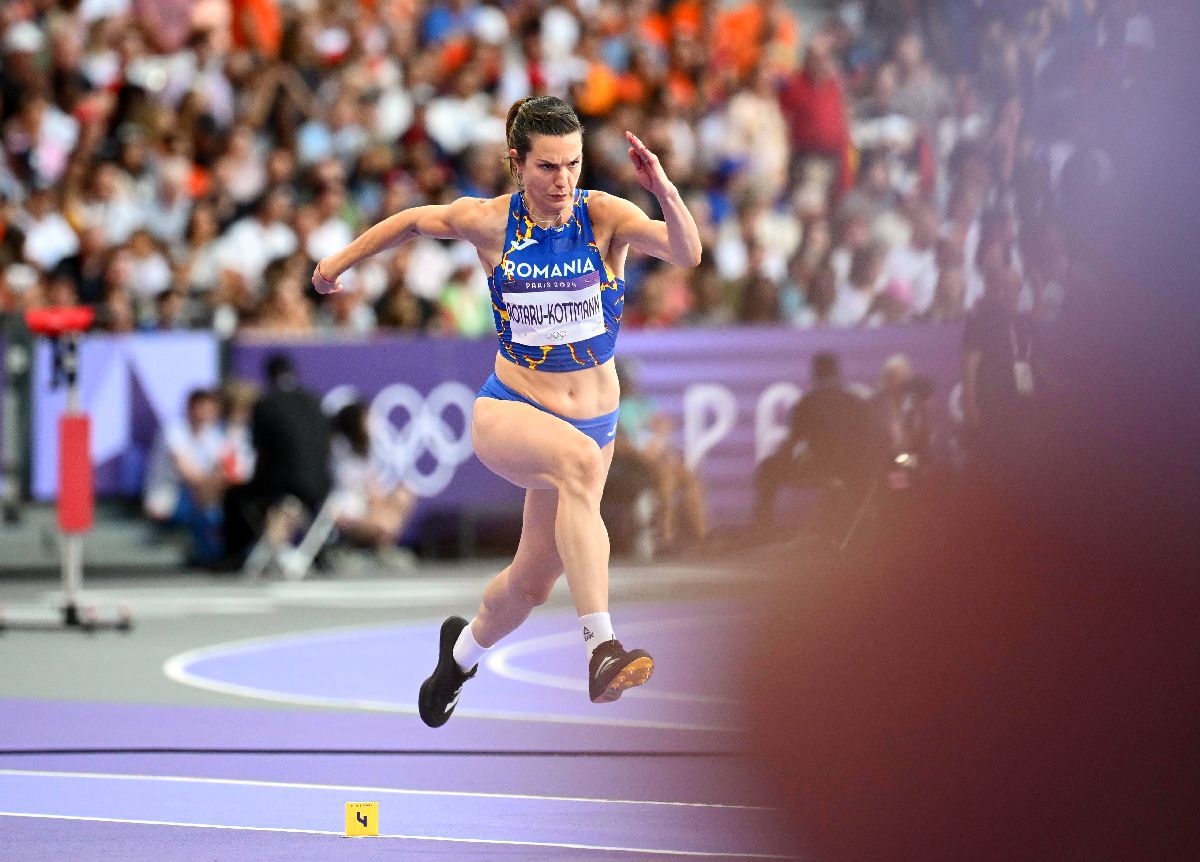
{"x":675,"y":239}
{"x":442,"y":221}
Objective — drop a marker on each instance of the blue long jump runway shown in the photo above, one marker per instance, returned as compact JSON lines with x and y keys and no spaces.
{"x":527,"y":769}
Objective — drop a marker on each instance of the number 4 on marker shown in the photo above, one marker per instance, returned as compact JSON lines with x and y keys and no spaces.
{"x":362,"y":818}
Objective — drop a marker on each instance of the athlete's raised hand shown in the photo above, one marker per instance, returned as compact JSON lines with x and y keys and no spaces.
{"x":325,"y":285}
{"x":650,"y":172}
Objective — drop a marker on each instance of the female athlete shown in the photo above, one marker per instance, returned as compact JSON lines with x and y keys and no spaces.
{"x":555,"y":257}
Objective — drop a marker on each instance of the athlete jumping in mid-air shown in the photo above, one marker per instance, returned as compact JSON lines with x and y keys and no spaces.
{"x":545,"y":420}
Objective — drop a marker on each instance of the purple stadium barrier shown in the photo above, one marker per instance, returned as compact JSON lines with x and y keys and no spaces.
{"x":727,"y":390}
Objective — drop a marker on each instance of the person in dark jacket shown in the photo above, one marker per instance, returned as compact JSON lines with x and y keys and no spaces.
{"x":291,"y":435}
{"x":835,"y":440}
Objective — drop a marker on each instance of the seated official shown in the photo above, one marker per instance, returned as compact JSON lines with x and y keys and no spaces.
{"x":835,"y":441}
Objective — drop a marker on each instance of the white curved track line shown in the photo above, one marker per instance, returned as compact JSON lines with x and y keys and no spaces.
{"x":499,"y":661}
{"x":556,"y":845}
{"x":176,"y":668}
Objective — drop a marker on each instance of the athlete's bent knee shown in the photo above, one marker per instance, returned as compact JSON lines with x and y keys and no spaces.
{"x":581,"y":471}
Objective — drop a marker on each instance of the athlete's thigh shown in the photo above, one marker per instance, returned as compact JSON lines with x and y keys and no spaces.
{"x":538,"y":548}
{"x":522,"y":444}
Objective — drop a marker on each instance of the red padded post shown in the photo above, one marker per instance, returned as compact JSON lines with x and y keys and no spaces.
{"x":76,"y":494}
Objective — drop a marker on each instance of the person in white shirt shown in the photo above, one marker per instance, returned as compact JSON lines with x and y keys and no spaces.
{"x":40,"y":135}
{"x":856,"y":294}
{"x":198,"y":259}
{"x":914,"y":263}
{"x":151,"y":272}
{"x":49,"y":238}
{"x":463,"y":116}
{"x":373,"y":504}
{"x":112,"y":206}
{"x":184,"y":483}
{"x":254,"y":241}
{"x":171,"y":207}
{"x":331,"y":232}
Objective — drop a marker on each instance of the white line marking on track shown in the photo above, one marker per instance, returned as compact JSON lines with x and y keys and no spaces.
{"x":289,"y":785}
{"x":557,"y":845}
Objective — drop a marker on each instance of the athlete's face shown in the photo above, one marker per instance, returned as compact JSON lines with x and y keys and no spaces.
{"x":550,"y":172}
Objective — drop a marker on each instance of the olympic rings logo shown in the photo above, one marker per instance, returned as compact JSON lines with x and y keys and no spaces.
{"x":411,"y":430}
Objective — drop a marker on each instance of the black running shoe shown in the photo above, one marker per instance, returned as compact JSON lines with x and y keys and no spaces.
{"x":440,"y":692}
{"x":612,"y":670}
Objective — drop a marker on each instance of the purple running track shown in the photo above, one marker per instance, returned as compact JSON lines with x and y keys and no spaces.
{"x":444,"y":801}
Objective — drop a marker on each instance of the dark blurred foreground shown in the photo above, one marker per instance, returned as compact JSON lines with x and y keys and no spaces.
{"x":962,"y":686}
{"x":1009,"y":670}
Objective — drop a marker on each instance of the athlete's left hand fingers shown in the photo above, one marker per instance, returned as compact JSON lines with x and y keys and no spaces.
{"x":642,"y":150}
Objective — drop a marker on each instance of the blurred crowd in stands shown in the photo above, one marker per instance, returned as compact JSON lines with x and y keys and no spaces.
{"x":182,"y":163}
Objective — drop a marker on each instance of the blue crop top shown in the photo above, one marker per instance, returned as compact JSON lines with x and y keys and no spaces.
{"x":556,"y":305}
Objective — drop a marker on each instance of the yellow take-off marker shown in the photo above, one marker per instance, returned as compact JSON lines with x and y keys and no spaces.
{"x":362,"y":818}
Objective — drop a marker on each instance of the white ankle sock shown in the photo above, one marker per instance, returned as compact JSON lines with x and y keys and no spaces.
{"x":597,"y":628}
{"x":467,"y":651}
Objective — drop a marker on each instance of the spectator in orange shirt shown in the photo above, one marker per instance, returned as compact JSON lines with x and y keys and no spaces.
{"x":595,"y":95}
{"x":756,"y":30}
{"x":257,"y":25}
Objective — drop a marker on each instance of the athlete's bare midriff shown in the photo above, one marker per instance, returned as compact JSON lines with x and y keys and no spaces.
{"x":583,"y":394}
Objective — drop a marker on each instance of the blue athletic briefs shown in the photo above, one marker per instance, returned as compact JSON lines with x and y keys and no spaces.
{"x":602,"y":429}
